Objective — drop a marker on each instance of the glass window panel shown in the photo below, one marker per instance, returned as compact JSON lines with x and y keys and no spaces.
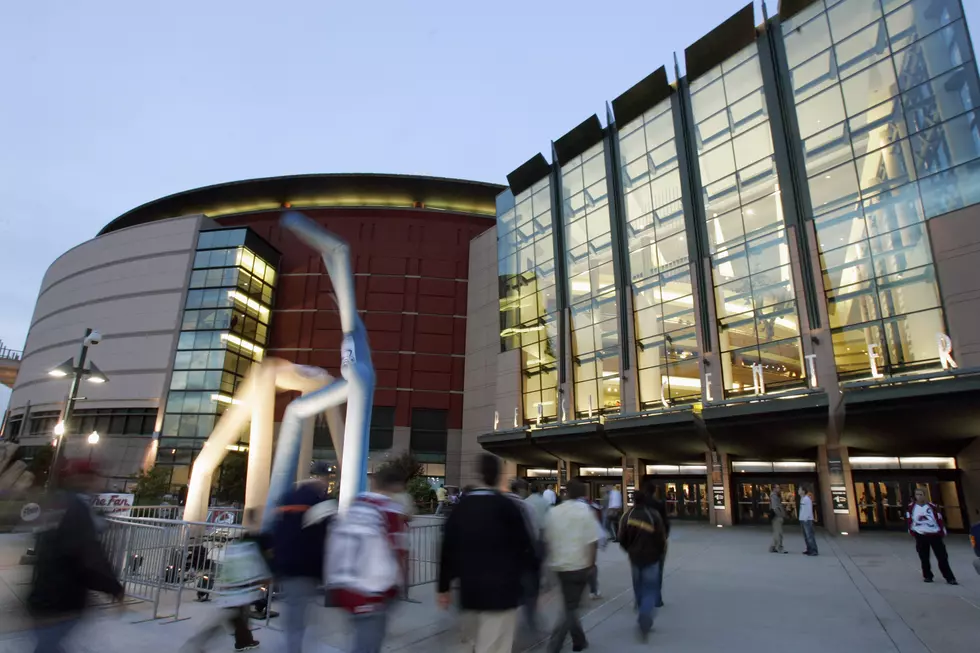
{"x":636,"y":173}
{"x":600,"y":248}
{"x":178,"y":381}
{"x":912,"y":338}
{"x":732,"y":263}
{"x":663,"y":158}
{"x":721,"y":196}
{"x":851,"y":15}
{"x":708,"y":100}
{"x":667,"y":188}
{"x":651,"y":352}
{"x":672,"y":250}
{"x":678,"y":315}
{"x":951,"y":190}
{"x":586,"y":398}
{"x":864,"y":48}
{"x":804,"y":17}
{"x":669,"y":218}
{"x":952,"y":143}
{"x":757,"y":180}
{"x":725,"y":230}
{"x":847,"y":265}
{"x":762,"y":216}
{"x":933,"y":55}
{"x":869,"y":88}
{"x":776,"y":322}
{"x":733,"y":298}
{"x":576,"y":234}
{"x":640,"y":232}
{"x":852,"y":304}
{"x":901,"y":250}
{"x":541,"y":201}
{"x":744,"y":79}
{"x":632,"y":146}
{"x":638,"y":203}
{"x":649,"y":322}
{"x":660,"y":128}
{"x":718,"y":163}
{"x":602,"y":278}
{"x":833,"y":189}
{"x":713,"y":131}
{"x":942,"y":98}
{"x":572,"y":182}
{"x":748,"y":112}
{"x":594,"y":170}
{"x":782,"y":363}
{"x":877,"y":127}
{"x":677,"y":282}
{"x":772,"y":287}
{"x":889,"y":167}
{"x":737,"y":332}
{"x":893,"y":209}
{"x":806,"y":40}
{"x":919,"y":18}
{"x":851,"y":349}
{"x":768,"y":252}
{"x":908,"y":291}
{"x":839,"y":228}
{"x":752,"y":146}
{"x":820,"y":111}
{"x":828,"y":149}
{"x":815,"y":75}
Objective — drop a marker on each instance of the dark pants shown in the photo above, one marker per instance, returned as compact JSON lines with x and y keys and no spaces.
{"x":51,"y":637}
{"x":572,"y":587}
{"x":660,"y":578}
{"x":809,"y":536}
{"x":922,"y":545}
{"x":531,"y":584}
{"x":612,"y":523}
{"x":236,"y":617}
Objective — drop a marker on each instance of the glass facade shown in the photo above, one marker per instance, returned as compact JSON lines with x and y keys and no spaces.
{"x":667,"y":351}
{"x":885,"y":93}
{"x":747,"y":242}
{"x":592,"y":293}
{"x":528,"y":296}
{"x":224,"y":330}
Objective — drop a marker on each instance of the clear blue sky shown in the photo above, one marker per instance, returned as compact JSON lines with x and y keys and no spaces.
{"x":113,"y":103}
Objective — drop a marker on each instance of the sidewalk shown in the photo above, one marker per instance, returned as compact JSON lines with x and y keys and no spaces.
{"x":723,"y":591}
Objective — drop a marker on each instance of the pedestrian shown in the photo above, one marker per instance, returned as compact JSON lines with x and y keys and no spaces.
{"x":531,"y":579}
{"x":550,"y":495}
{"x":540,"y":507}
{"x":70,"y":561}
{"x":777,"y":514}
{"x":926,"y":524}
{"x":487,"y":549}
{"x":614,"y":509}
{"x":643,"y":535}
{"x":597,"y":510}
{"x":806,"y":521}
{"x":299,"y":537}
{"x":573,"y":539}
{"x":367,"y":558}
{"x":651,"y":488}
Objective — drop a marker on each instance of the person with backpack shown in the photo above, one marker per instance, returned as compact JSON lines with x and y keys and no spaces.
{"x":487,"y":547}
{"x":926,"y":524}
{"x":367,"y":558}
{"x":643,"y":535}
{"x":298,"y":539}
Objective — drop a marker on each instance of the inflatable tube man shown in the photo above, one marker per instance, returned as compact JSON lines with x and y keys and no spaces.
{"x":356,"y":387}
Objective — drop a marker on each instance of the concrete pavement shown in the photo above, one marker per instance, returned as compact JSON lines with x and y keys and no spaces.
{"x":723,"y":591}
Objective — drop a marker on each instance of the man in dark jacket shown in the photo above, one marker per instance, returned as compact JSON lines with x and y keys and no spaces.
{"x":487,"y":548}
{"x":70,"y":561}
{"x":298,"y":537}
{"x":642,"y":534}
{"x":650,"y":488}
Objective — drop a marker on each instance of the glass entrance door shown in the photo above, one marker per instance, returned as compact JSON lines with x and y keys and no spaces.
{"x":882,"y":503}
{"x":684,"y":498}
{"x":752,"y":499}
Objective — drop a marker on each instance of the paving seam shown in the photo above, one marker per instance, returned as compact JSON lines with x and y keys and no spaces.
{"x":902,"y":636}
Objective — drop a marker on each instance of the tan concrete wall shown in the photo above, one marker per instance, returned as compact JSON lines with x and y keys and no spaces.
{"x":482,"y":348}
{"x":956,"y":247}
{"x":129,"y":286}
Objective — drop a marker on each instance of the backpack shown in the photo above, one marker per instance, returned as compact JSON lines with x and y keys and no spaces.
{"x":359,"y":553}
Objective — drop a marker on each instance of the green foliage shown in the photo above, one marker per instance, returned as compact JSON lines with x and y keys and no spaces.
{"x":420,"y":490}
{"x":406,"y":464}
{"x":231,"y":480}
{"x":152,"y":486}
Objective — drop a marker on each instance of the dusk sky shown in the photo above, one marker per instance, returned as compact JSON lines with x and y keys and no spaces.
{"x":110,"y":104}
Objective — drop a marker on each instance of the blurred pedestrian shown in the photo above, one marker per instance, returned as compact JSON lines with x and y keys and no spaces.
{"x":531,"y":579}
{"x":926,"y":524}
{"x":777,"y":513}
{"x":806,"y":521}
{"x":367,"y":558}
{"x":597,"y":510}
{"x":487,"y":548}
{"x":299,"y":537}
{"x":642,"y":534}
{"x":549,"y":494}
{"x":572,"y":537}
{"x":70,"y":560}
{"x":652,"y":490}
{"x":613,"y":510}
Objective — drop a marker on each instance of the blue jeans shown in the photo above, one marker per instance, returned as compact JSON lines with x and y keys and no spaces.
{"x":50,"y":638}
{"x":646,"y":593}
{"x":809,"y":536}
{"x":369,"y":631}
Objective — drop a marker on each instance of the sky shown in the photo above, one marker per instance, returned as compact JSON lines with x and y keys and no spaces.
{"x":109,"y":104}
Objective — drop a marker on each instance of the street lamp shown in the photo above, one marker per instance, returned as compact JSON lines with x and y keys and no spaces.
{"x":93,"y":439}
{"x":77,"y":373}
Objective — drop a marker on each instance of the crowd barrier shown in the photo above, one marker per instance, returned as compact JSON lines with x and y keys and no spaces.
{"x":153,"y":556}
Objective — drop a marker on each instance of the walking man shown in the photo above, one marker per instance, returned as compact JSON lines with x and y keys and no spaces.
{"x":531,"y":577}
{"x":550,"y":495}
{"x":572,"y":535}
{"x":806,"y":521}
{"x":614,"y":509}
{"x":777,"y":513}
{"x":487,"y":548}
{"x":643,"y":536}
{"x":651,"y":490}
{"x":927,"y":526}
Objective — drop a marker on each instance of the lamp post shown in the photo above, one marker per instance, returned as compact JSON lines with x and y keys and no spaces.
{"x":93,"y":439}
{"x":77,"y":372}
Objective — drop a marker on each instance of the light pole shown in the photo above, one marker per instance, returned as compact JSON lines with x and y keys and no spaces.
{"x":93,"y":439}
{"x":77,"y":372}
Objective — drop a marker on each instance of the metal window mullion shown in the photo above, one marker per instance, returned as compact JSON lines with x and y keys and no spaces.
{"x":561,"y":268}
{"x":617,"y":222}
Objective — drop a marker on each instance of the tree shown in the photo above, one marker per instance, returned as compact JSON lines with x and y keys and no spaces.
{"x":406,"y":464}
{"x":231,"y":480}
{"x":152,"y":486}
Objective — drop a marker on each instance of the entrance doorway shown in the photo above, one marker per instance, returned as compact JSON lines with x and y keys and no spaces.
{"x":883,"y":497}
{"x":752,"y":497}
{"x":684,"y":498}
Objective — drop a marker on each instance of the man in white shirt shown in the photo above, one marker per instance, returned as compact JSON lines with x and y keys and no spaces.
{"x":573,"y":537}
{"x":806,"y":521}
{"x":614,"y":508}
{"x":550,"y":495}
{"x":926,"y":524}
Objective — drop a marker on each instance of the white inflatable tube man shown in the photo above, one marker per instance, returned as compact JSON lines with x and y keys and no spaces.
{"x":356,"y":387}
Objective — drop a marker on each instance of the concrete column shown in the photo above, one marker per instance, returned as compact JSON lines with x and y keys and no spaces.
{"x":720,"y":517}
{"x":833,"y":522}
{"x":306,"y":450}
{"x":969,"y":462}
{"x":401,"y":440}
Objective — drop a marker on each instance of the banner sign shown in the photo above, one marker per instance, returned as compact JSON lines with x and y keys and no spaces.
{"x":223,"y":517}
{"x":113,"y":504}
{"x":835,"y":467}
{"x":838,"y":495}
{"x":719,"y":497}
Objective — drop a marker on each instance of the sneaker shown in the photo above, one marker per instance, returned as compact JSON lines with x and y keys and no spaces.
{"x":248,"y":647}
{"x":595,"y":596}
{"x":772,"y":549}
{"x":952,"y":581}
{"x":580,"y":648}
{"x":926,"y":580}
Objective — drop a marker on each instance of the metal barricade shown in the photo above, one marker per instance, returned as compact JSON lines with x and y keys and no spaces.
{"x":424,"y":546}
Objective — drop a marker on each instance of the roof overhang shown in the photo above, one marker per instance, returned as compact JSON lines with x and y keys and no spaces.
{"x":675,"y":436}
{"x":777,"y":426}
{"x":516,"y":445}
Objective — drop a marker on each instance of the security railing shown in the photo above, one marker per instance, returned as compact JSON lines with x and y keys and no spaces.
{"x":9,"y":354}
